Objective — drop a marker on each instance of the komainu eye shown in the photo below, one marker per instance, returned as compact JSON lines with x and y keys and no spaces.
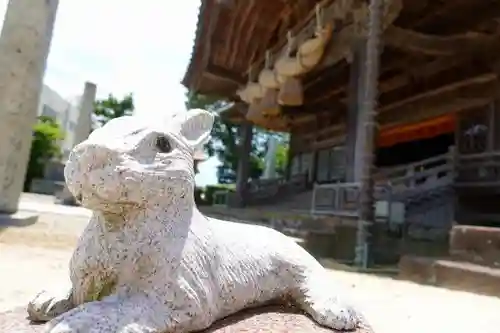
{"x":163,"y":145}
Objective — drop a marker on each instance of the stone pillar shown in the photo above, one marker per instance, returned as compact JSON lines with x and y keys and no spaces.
{"x":24,"y":48}
{"x":246,"y":132}
{"x":82,"y":131}
{"x":85,"y":111}
{"x":270,"y":159}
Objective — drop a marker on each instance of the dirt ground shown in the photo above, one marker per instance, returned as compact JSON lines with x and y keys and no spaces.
{"x":36,"y":257}
{"x":391,"y":306}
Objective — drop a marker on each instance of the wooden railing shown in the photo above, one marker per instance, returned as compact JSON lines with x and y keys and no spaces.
{"x":413,"y":174}
{"x":398,"y":184}
{"x":341,"y":199}
{"x":479,"y":170}
{"x":264,"y":190}
{"x":268,"y":190}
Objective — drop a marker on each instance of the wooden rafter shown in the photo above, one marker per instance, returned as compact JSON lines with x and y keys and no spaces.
{"x":233,"y":50}
{"x":234,"y":27}
{"x":412,"y":41}
{"x":247,"y":49}
{"x":224,"y":74}
{"x":304,"y":27}
{"x":460,"y":16}
{"x":211,"y":28}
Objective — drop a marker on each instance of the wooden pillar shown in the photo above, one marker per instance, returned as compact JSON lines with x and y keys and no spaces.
{"x":246,"y":134}
{"x":496,"y":124}
{"x":368,"y":119}
{"x":352,"y":113}
{"x":491,"y":126}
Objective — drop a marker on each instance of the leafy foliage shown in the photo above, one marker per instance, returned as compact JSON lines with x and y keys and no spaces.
{"x":47,"y":135}
{"x":282,"y":157}
{"x":112,"y":107}
{"x":226,"y":141}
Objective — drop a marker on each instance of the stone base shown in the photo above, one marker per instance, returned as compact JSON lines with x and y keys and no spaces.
{"x":46,"y":186}
{"x":451,"y":274}
{"x":265,"y":319}
{"x":18,"y":219}
{"x":479,"y":245}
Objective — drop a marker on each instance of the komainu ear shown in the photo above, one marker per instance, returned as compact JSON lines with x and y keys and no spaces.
{"x":196,"y":125}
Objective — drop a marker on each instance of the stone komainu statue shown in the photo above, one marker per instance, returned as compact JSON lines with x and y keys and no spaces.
{"x":149,"y":261}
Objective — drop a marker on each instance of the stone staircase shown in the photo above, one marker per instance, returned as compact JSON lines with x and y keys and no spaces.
{"x":473,"y":263}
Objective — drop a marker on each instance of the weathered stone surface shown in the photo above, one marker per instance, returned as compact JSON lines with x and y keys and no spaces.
{"x":271,"y":319}
{"x":149,"y":255}
{"x":476,"y":244}
{"x":24,"y":47}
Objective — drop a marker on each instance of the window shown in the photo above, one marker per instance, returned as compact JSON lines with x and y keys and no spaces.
{"x":337,"y":163}
{"x":331,"y":164}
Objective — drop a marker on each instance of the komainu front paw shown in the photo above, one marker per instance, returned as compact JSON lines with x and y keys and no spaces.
{"x":108,"y":316}
{"x":48,"y":305}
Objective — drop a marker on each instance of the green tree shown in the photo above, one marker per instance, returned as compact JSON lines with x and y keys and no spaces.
{"x":226,"y":141}
{"x":282,"y":157}
{"x":47,"y":135}
{"x":112,"y":107}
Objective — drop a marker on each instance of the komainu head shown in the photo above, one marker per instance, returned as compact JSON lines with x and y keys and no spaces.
{"x":138,"y":162}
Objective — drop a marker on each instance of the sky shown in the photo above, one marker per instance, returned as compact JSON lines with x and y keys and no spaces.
{"x":125,"y":46}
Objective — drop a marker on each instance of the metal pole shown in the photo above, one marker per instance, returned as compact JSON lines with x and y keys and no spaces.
{"x":369,"y":118}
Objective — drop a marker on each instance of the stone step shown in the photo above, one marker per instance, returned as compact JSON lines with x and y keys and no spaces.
{"x":476,"y":244}
{"x":451,"y":274}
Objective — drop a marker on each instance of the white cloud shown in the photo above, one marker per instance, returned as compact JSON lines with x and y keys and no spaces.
{"x":125,"y":46}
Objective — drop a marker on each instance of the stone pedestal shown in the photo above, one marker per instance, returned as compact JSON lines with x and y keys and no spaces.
{"x":24,"y":47}
{"x":268,"y":319}
{"x":18,"y":219}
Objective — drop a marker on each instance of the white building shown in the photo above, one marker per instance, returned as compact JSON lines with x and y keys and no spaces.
{"x":65,"y":112}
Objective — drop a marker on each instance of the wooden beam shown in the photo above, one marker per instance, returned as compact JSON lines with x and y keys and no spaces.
{"x":453,"y":97}
{"x":422,"y":72}
{"x":412,"y":41}
{"x":456,"y":97}
{"x":222,"y":73}
{"x":426,"y":73}
{"x":460,"y":89}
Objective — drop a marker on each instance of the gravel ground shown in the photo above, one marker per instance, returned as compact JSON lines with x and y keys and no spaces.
{"x":391,"y":306}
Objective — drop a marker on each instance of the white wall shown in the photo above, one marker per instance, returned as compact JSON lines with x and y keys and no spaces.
{"x":66,"y":113}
